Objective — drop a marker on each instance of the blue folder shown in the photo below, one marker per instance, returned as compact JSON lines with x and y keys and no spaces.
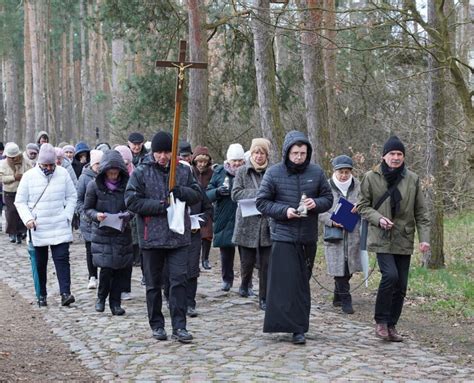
{"x":343,"y":216}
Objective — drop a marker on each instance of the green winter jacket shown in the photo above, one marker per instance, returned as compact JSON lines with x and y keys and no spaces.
{"x":413,"y":213}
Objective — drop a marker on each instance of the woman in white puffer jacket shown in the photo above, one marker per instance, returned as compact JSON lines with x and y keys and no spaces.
{"x":45,"y":200}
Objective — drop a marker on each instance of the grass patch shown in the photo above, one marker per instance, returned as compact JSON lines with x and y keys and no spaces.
{"x":450,"y":290}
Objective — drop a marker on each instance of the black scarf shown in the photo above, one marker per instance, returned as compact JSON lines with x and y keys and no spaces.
{"x":294,"y":168}
{"x":393,"y":178}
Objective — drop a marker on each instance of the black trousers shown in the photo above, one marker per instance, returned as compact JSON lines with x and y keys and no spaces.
{"x":205,"y":249}
{"x":249,"y":257}
{"x":111,"y":282}
{"x":153,"y":263}
{"x":90,"y":266}
{"x":60,"y":255}
{"x":127,"y":286}
{"x":392,"y":287}
{"x":227,"y":263}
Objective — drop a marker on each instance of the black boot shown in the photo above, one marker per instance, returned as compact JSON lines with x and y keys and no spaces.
{"x":100,"y":305}
{"x":205,"y":249}
{"x":344,"y":291}
{"x":336,"y":299}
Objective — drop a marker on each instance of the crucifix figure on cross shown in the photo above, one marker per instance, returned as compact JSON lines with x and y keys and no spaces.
{"x":181,"y":65}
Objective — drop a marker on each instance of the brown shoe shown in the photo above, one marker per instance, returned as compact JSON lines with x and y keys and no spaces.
{"x":393,"y":335}
{"x":381,"y":331}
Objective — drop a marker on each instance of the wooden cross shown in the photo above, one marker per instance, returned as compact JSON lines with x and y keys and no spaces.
{"x":181,"y":65}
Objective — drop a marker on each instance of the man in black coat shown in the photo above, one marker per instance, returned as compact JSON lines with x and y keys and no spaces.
{"x":293,"y":193}
{"x":147,"y":195}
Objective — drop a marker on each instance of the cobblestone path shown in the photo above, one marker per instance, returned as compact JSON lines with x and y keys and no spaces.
{"x":229,"y":343}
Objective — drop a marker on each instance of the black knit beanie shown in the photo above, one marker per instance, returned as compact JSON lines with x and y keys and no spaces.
{"x":393,"y":143}
{"x":162,"y":142}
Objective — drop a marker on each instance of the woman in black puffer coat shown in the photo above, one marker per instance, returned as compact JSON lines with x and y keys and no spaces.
{"x":112,"y":249}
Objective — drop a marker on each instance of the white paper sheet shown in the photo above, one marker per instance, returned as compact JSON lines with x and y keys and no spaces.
{"x":195,"y":221}
{"x":248,"y":207}
{"x":113,"y":221}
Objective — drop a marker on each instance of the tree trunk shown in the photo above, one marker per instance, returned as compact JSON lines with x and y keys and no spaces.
{"x":14,"y":132}
{"x":90,"y":134}
{"x":2,"y":108}
{"x":314,"y":82}
{"x":270,"y":122}
{"x":198,"y":78}
{"x":65,"y":98}
{"x":28,"y":81}
{"x":435,"y":152}
{"x":85,"y":91}
{"x":329,"y":57}
{"x":76,"y":104}
{"x":37,"y":69}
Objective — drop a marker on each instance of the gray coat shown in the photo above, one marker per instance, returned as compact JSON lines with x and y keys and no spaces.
{"x":251,"y":231}
{"x":349,"y":247}
{"x":85,"y":222}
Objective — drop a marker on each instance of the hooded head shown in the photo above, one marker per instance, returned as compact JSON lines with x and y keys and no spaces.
{"x":112,"y":160}
{"x":82,"y":150}
{"x":295,"y":142}
{"x":201,"y":158}
{"x":42,"y":137}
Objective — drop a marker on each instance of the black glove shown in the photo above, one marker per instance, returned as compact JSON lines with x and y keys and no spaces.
{"x":125,"y":217}
{"x":178,"y":192}
{"x":223,"y":191}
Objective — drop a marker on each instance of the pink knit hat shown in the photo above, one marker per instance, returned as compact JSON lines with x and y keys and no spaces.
{"x":125,"y":152}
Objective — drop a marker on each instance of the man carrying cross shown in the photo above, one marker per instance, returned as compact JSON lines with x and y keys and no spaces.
{"x":147,"y":195}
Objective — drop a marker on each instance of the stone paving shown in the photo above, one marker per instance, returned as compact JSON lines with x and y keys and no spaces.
{"x":228,"y":340}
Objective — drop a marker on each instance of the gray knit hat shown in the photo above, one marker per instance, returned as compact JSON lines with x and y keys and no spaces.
{"x":47,"y":154}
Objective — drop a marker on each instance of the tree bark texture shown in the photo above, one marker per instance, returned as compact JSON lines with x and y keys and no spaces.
{"x":263,"y":34}
{"x":314,"y":82}
{"x":2,"y":109}
{"x":86,"y":96}
{"x":34,"y":19}
{"x":28,"y":81}
{"x":435,"y":151}
{"x":198,"y":78}
{"x":13,"y":100}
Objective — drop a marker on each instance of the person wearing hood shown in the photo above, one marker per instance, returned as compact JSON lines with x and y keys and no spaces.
{"x":218,"y":192}
{"x":46,"y":200}
{"x":42,"y":138}
{"x":81,"y":158}
{"x":202,"y":171}
{"x":111,"y":247}
{"x":342,"y":256}
{"x":392,"y":201}
{"x":136,"y":145}
{"x":147,"y":196}
{"x":127,"y":157}
{"x":88,"y":174}
{"x":12,"y":170}
{"x":292,"y":193}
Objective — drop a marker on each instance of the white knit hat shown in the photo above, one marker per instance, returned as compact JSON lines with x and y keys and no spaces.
{"x":235,"y":152}
{"x":11,"y":150}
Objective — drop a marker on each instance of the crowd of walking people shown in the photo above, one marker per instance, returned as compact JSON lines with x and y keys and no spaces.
{"x":118,"y":198}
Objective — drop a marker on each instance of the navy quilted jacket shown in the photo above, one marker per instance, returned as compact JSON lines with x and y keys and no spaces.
{"x":281,"y":189}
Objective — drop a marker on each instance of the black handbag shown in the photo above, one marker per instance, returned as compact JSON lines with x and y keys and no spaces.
{"x":333,"y":233}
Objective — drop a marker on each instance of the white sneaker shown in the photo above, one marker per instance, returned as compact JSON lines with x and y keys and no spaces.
{"x":126,"y":296}
{"x":92,"y":283}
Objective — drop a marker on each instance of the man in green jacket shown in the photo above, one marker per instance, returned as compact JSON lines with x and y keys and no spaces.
{"x":392,"y":230}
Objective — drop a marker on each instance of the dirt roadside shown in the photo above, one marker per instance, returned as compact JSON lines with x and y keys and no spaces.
{"x":29,"y":351}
